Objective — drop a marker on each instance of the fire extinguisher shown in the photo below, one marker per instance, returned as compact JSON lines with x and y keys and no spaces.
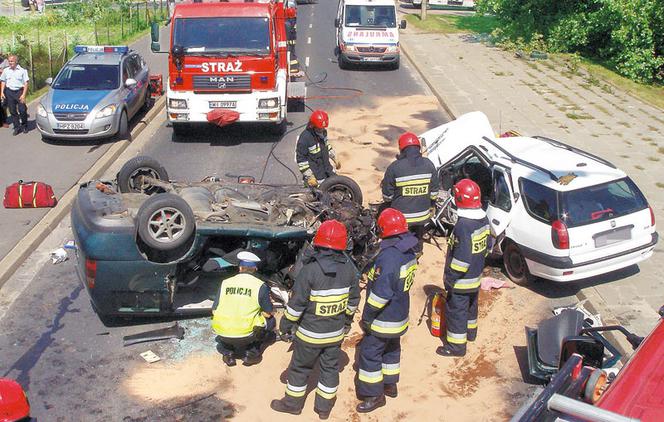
{"x":436,"y":313}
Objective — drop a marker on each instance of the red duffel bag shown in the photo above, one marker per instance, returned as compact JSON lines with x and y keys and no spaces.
{"x":29,"y":195}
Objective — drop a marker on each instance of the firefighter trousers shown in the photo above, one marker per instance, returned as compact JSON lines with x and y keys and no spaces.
{"x":379,"y":364}
{"x":460,"y":319}
{"x":302,"y":363}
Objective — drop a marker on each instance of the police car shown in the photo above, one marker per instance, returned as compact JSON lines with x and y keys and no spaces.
{"x":95,"y":94}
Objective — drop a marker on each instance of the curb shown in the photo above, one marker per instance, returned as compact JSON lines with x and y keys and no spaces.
{"x":608,"y":318}
{"x":10,"y":263}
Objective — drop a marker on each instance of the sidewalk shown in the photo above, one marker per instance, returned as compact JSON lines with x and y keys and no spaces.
{"x":544,"y":98}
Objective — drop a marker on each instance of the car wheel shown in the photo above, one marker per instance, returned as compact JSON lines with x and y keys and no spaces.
{"x":123,"y":127}
{"x":131,"y":175}
{"x":515,"y":265}
{"x":147,"y":101}
{"x":396,"y":64}
{"x":165,"y":222}
{"x":343,"y":63}
{"x":342,"y":188}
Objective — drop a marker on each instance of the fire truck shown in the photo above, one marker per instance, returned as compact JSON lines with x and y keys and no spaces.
{"x":229,"y":62}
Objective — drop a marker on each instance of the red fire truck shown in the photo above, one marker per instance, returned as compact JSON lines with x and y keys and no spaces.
{"x":229,"y":62}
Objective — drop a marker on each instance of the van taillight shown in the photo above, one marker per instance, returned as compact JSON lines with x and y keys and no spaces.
{"x":90,"y":272}
{"x":559,"y":235}
{"x":652,"y":217}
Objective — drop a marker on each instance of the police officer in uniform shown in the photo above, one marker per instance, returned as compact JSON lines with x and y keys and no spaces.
{"x":411,"y":184}
{"x":466,"y":251}
{"x":385,"y":315}
{"x":242,"y":315}
{"x":325,"y":296}
{"x":314,"y":152}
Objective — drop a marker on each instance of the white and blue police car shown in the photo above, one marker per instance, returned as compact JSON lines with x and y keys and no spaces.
{"x":95,"y":94}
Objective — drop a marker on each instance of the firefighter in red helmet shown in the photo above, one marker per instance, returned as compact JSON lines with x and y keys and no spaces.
{"x":385,"y":314}
{"x":411,"y":184}
{"x":467,"y":248}
{"x":325,"y":297}
{"x":314,"y":152}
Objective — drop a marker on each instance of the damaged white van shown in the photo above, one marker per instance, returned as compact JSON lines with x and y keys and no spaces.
{"x":367,"y":33}
{"x":555,"y":211}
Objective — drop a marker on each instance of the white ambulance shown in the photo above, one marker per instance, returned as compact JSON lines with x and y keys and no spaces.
{"x":367,"y":33}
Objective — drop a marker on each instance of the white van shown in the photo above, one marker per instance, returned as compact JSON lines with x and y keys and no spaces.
{"x":367,"y":32}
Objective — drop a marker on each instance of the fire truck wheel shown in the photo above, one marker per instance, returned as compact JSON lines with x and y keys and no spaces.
{"x":130,"y":177}
{"x":181,"y":130}
{"x":342,"y":187}
{"x":279,"y":129}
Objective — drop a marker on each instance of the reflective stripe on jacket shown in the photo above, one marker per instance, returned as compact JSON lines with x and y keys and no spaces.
{"x":313,"y":153}
{"x":390,"y":280}
{"x":466,"y":251}
{"x":238,"y":311}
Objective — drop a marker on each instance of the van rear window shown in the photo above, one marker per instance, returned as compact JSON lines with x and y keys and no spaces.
{"x":602,"y":202}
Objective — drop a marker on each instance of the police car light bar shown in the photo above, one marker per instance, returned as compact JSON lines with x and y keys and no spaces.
{"x":122,"y":49}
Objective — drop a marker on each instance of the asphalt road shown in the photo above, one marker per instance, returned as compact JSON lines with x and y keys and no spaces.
{"x":58,"y":163}
{"x":53,"y":343}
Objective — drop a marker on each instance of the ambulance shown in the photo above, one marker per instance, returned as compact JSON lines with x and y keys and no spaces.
{"x":368,"y":33}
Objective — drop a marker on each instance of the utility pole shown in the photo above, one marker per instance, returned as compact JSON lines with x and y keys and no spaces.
{"x":423,"y":12}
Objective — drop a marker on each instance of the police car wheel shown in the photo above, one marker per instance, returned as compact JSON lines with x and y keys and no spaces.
{"x":515,"y":265}
{"x":165,"y":222}
{"x":131,"y":176}
{"x":342,"y":188}
{"x":123,"y":126}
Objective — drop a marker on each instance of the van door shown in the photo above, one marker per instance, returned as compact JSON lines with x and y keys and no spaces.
{"x":340,"y":21}
{"x":501,"y":201}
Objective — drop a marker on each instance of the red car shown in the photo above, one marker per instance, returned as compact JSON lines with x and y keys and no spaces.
{"x":14,"y":404}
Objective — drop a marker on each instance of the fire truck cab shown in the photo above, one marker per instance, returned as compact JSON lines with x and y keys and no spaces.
{"x":229,"y":62}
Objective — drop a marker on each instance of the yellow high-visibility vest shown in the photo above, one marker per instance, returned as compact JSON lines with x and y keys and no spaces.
{"x":238,"y":311}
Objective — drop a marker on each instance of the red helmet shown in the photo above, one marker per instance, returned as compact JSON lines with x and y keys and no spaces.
{"x":331,"y":234}
{"x":13,"y":403}
{"x":391,"y":222}
{"x":408,"y":139}
{"x":319,"y":119}
{"x":467,"y":194}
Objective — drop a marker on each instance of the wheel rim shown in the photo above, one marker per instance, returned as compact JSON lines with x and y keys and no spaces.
{"x":516,"y":264}
{"x":137,"y":179}
{"x":166,"y":225}
{"x":341,"y":192}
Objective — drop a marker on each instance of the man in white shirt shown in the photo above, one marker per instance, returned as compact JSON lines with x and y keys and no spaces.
{"x":3,"y":112}
{"x":13,"y":89}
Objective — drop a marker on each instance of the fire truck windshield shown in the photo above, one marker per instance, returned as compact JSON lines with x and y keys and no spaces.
{"x":223,"y":36}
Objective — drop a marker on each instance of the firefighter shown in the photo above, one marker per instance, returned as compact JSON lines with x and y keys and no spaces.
{"x":291,"y":37}
{"x":325,"y":297}
{"x":411,"y":185}
{"x":466,"y":251}
{"x":314,"y":152}
{"x":385,"y":315}
{"x":242,"y":315}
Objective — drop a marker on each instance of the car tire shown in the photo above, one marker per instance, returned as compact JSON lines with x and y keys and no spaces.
{"x":123,"y":126}
{"x":343,"y":63}
{"x":349,"y":189}
{"x":165,"y":222}
{"x":131,"y":173}
{"x":396,"y":64}
{"x":515,"y":265}
{"x":147,"y":102}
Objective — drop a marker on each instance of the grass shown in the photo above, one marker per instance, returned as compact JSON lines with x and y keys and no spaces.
{"x":660,"y":150}
{"x":651,"y":158}
{"x":659,"y":185}
{"x":450,"y":24}
{"x":575,"y":116}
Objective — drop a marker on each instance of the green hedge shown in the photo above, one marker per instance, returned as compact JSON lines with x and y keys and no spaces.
{"x":627,"y":35}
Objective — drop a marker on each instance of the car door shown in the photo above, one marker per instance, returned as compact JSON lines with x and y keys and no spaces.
{"x":143,"y":78}
{"x":130,"y":93}
{"x":501,"y":200}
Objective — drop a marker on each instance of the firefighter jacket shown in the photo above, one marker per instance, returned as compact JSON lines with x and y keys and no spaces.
{"x":325,"y":291}
{"x":411,"y":184}
{"x":467,"y":248}
{"x":313,"y":153}
{"x":238,"y":308}
{"x":390,"y":279}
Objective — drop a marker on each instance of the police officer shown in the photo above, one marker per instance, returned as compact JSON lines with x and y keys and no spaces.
{"x":385,"y":315}
{"x":411,"y":184}
{"x":13,"y":90}
{"x":325,"y":296}
{"x":314,"y":152}
{"x":242,"y":315}
{"x":467,"y":249}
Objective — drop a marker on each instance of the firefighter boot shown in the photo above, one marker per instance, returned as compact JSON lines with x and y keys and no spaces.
{"x":284,"y":407}
{"x":252,"y":358}
{"x":369,"y":404}
{"x":445,"y":351}
{"x":391,"y":390}
{"x":228,"y":359}
{"x":321,"y":414}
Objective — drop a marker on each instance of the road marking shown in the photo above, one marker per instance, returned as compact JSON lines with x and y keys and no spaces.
{"x":309,"y":40}
{"x":310,"y":25}
{"x":306,"y":62}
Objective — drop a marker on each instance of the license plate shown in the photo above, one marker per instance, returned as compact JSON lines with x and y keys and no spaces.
{"x":371,"y":59}
{"x":223,"y":104}
{"x":613,"y":236}
{"x":71,"y":126}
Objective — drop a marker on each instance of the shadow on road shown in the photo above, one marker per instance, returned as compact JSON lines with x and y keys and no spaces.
{"x":234,"y":134}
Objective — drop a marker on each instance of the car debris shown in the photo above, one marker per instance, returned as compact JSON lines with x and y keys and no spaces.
{"x":174,"y":331}
{"x":150,"y":356}
{"x":58,"y":255}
